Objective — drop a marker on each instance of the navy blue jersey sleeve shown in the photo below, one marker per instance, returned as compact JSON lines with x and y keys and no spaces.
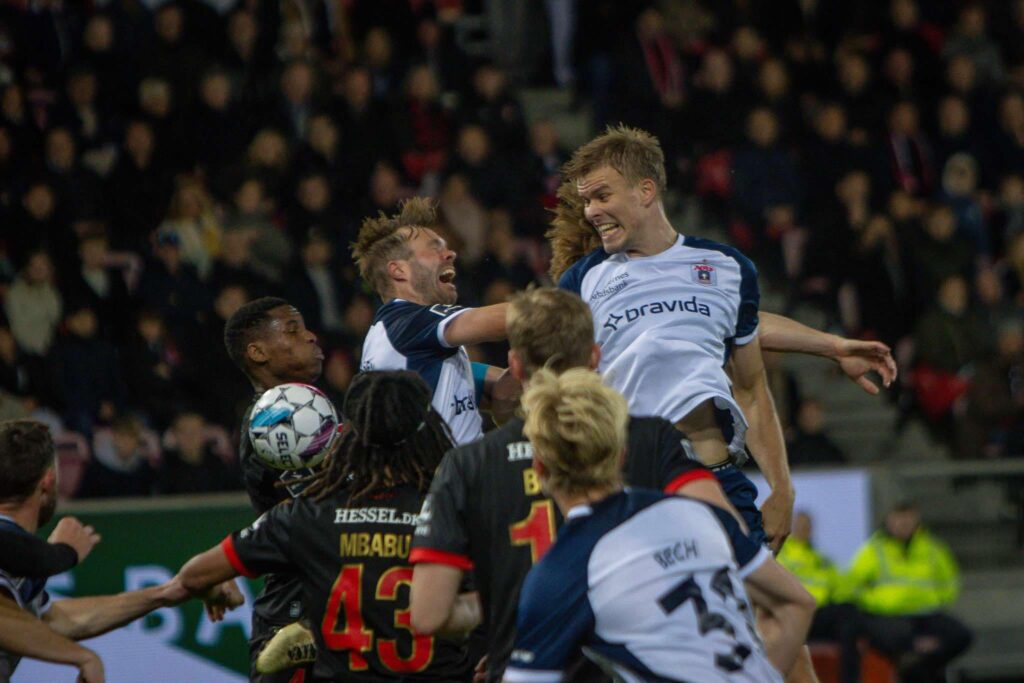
{"x":750,"y":300}
{"x":412,"y":327}
{"x":554,"y":620}
{"x":28,"y":555}
{"x":441,"y":536}
{"x":749,"y":555}
{"x":572,"y":279}
{"x":264,"y":546}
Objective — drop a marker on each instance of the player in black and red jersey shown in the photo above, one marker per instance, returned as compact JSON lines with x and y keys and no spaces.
{"x":268,"y":340}
{"x":485,"y":510}
{"x":347,"y":538}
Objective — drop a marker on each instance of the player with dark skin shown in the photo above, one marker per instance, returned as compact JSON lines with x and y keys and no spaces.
{"x":285,"y":352}
{"x":268,"y":340}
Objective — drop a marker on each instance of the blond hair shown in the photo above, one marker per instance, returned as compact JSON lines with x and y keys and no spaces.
{"x":550,"y":328}
{"x":634,"y":153}
{"x":578,"y":429}
{"x":382,"y":239}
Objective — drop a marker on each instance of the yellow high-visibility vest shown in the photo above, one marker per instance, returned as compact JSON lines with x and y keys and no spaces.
{"x":893,"y":578}
{"x":816,"y":572}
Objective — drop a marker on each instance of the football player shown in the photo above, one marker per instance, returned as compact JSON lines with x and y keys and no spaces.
{"x":347,"y":536}
{"x":420,"y":327}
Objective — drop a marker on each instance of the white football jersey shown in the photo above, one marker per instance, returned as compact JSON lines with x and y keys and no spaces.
{"x":409,"y":336}
{"x":651,"y":586}
{"x":667,"y":323}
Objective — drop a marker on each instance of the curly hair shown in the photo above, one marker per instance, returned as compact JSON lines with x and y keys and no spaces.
{"x":392,"y":436}
{"x":26,"y":452}
{"x":634,"y":153}
{"x":571,"y":235}
{"x":382,"y":239}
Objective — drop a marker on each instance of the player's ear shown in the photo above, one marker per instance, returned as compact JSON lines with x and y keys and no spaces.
{"x":398,"y":270}
{"x":595,"y":357}
{"x":515,"y":366}
{"x":648,"y":191}
{"x":48,"y":482}
{"x":538,"y":466}
{"x":256,"y":354}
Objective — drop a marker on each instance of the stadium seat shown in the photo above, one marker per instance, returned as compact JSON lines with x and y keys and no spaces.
{"x":72,"y":457}
{"x":874,"y":668}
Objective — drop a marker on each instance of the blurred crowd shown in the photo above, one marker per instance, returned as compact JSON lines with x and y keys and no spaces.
{"x":163,"y":163}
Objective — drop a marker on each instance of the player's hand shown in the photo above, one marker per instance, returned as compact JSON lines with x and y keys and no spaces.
{"x":221,"y":598}
{"x":505,"y":394}
{"x":777,"y":513}
{"x":480,"y":672}
{"x":857,"y":358}
{"x":174,"y":593}
{"x":77,"y":535}
{"x":91,"y":669}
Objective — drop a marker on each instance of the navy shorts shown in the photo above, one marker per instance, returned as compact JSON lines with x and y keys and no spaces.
{"x":742,"y":493}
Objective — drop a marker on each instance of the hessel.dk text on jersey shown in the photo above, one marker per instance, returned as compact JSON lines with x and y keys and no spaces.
{"x":383,"y":515}
{"x":691,"y":305}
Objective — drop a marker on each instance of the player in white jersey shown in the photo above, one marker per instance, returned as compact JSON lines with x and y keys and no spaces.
{"x":420,"y":328}
{"x":673,"y":314}
{"x":654,"y":587}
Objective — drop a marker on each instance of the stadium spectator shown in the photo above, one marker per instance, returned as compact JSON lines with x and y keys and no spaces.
{"x":139,"y":188}
{"x":153,"y":364}
{"x":119,"y":466}
{"x":191,"y":218}
{"x":189,"y":463}
{"x":313,"y":285}
{"x":904,"y":580}
{"x":835,"y":619}
{"x":421,"y":126}
{"x":34,"y":306}
{"x":101,"y":285}
{"x":86,"y":371}
{"x":992,"y":424}
{"x":250,"y":213}
{"x":808,"y":443}
{"x":172,"y":286}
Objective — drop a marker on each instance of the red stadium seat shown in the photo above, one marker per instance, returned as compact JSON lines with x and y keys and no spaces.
{"x":72,"y":457}
{"x":874,"y":668}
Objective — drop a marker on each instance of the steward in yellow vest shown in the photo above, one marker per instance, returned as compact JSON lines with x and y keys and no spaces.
{"x":902,"y":579}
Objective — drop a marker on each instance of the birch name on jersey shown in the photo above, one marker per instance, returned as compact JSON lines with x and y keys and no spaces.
{"x":666,"y":324}
{"x":409,"y":336}
{"x":652,"y":587}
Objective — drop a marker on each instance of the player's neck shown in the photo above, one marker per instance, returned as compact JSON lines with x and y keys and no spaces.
{"x":410,"y":295}
{"x":568,"y":501}
{"x":26,"y":514}
{"x":654,"y":239}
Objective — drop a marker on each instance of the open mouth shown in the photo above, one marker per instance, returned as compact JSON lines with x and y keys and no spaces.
{"x":605,"y":229}
{"x":447,"y":276}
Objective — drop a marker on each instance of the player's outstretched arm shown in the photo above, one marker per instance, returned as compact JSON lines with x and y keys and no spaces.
{"x":785,"y":610}
{"x":23,"y":634}
{"x":856,"y":358}
{"x":209,"y":576}
{"x":81,"y":618}
{"x":764,"y":438}
{"x":433,"y":599}
{"x":485,"y":324}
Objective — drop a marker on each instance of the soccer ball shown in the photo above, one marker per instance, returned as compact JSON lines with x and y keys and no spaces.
{"x":293,"y":426}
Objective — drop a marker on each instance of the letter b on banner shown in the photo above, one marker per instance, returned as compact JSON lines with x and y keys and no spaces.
{"x":165,"y":623}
